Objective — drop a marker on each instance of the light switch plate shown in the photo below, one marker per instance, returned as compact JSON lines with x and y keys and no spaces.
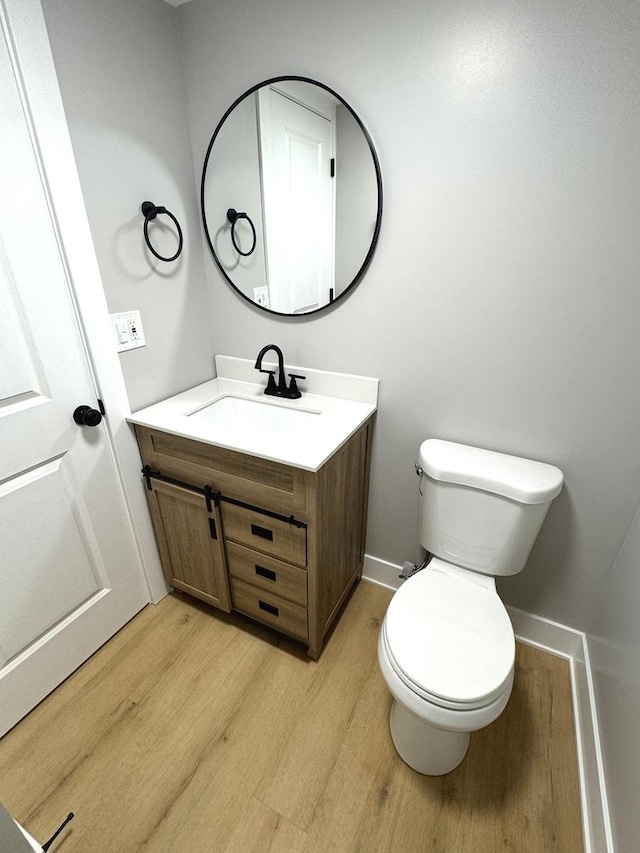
{"x":127,"y":330}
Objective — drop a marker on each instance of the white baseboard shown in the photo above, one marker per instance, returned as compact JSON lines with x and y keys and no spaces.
{"x":381,"y":573}
{"x":595,"y":805}
{"x":572,"y":645}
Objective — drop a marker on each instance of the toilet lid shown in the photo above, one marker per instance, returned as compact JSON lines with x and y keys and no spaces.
{"x":451,"y":638}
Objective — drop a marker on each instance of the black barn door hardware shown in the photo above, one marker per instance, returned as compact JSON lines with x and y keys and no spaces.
{"x":216,"y":497}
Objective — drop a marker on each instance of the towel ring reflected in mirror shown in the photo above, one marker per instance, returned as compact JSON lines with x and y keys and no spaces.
{"x":233,"y":216}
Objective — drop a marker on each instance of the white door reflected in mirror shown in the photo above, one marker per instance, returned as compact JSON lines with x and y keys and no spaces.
{"x":298,"y":180}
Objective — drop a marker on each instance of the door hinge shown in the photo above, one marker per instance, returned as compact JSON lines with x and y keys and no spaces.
{"x":332,"y":167}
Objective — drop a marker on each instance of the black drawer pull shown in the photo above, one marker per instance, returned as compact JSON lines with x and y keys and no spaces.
{"x":266,"y":573}
{"x":268,"y":607}
{"x":262,"y":532}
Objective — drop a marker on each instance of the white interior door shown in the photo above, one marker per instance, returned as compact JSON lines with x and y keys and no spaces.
{"x":70,"y":573}
{"x":296,"y":149}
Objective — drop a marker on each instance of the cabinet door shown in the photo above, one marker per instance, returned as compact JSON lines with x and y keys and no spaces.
{"x":190,"y":543}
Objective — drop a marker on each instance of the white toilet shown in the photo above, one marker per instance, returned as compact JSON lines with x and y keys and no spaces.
{"x":446,"y":647}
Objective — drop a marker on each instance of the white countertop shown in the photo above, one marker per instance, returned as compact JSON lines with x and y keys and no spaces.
{"x":305,"y":436}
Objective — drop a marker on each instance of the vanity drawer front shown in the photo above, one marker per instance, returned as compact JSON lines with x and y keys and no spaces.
{"x":267,"y":573}
{"x":271,"y":609}
{"x":272,"y":536}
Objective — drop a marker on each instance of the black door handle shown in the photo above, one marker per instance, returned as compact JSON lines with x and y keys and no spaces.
{"x":86,"y":416}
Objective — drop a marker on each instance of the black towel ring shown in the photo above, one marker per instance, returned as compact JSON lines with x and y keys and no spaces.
{"x":233,"y":216}
{"x":150,"y":211}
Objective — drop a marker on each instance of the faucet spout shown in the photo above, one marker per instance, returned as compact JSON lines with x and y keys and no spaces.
{"x":258,"y":365}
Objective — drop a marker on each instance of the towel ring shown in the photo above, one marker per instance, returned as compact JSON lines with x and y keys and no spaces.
{"x":150,"y":211}
{"x":233,"y":216}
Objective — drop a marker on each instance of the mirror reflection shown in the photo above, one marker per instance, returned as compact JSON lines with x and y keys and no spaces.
{"x":291,"y":196}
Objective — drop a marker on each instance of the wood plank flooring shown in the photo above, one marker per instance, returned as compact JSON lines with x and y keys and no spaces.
{"x":196,"y":731}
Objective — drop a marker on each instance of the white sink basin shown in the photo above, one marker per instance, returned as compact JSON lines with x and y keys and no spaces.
{"x":233,"y":412}
{"x":249,"y":415}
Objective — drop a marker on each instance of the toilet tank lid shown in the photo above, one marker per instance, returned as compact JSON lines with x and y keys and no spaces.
{"x":522,"y":480}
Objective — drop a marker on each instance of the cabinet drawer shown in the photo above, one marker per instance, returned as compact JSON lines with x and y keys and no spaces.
{"x":267,"y":573}
{"x":263,"y":533}
{"x":270,"y":609}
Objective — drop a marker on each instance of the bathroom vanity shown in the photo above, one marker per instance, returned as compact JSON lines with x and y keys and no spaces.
{"x":260,"y":506}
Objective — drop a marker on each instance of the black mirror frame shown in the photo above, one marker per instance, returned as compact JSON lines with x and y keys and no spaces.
{"x":376,"y":164}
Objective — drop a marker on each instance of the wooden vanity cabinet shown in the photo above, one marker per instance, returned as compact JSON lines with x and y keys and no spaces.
{"x":277,"y":543}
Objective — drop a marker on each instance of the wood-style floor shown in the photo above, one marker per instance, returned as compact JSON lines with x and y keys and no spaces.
{"x":195,"y":731}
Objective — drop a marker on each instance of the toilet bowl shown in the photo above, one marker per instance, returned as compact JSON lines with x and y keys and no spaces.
{"x":447,"y":651}
{"x":446,"y":646}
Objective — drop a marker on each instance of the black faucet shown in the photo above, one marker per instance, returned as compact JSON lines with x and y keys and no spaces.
{"x":280,"y":389}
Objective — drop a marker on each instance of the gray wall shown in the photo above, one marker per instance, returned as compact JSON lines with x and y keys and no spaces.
{"x":119,"y":69}
{"x":502,"y":306}
{"x":614,"y":648}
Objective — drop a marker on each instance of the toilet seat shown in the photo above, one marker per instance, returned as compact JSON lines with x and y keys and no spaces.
{"x":449,"y":638}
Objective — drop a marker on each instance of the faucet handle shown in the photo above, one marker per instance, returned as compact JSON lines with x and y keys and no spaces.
{"x":271,"y":388}
{"x":294,"y":391}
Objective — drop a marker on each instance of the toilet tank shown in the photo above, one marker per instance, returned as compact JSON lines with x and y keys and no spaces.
{"x":480,"y":509}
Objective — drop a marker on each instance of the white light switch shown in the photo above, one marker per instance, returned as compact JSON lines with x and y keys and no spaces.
{"x":128,"y":330}
{"x":123,"y":332}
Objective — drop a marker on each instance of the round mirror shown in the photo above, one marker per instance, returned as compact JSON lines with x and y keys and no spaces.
{"x":291,"y":196}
